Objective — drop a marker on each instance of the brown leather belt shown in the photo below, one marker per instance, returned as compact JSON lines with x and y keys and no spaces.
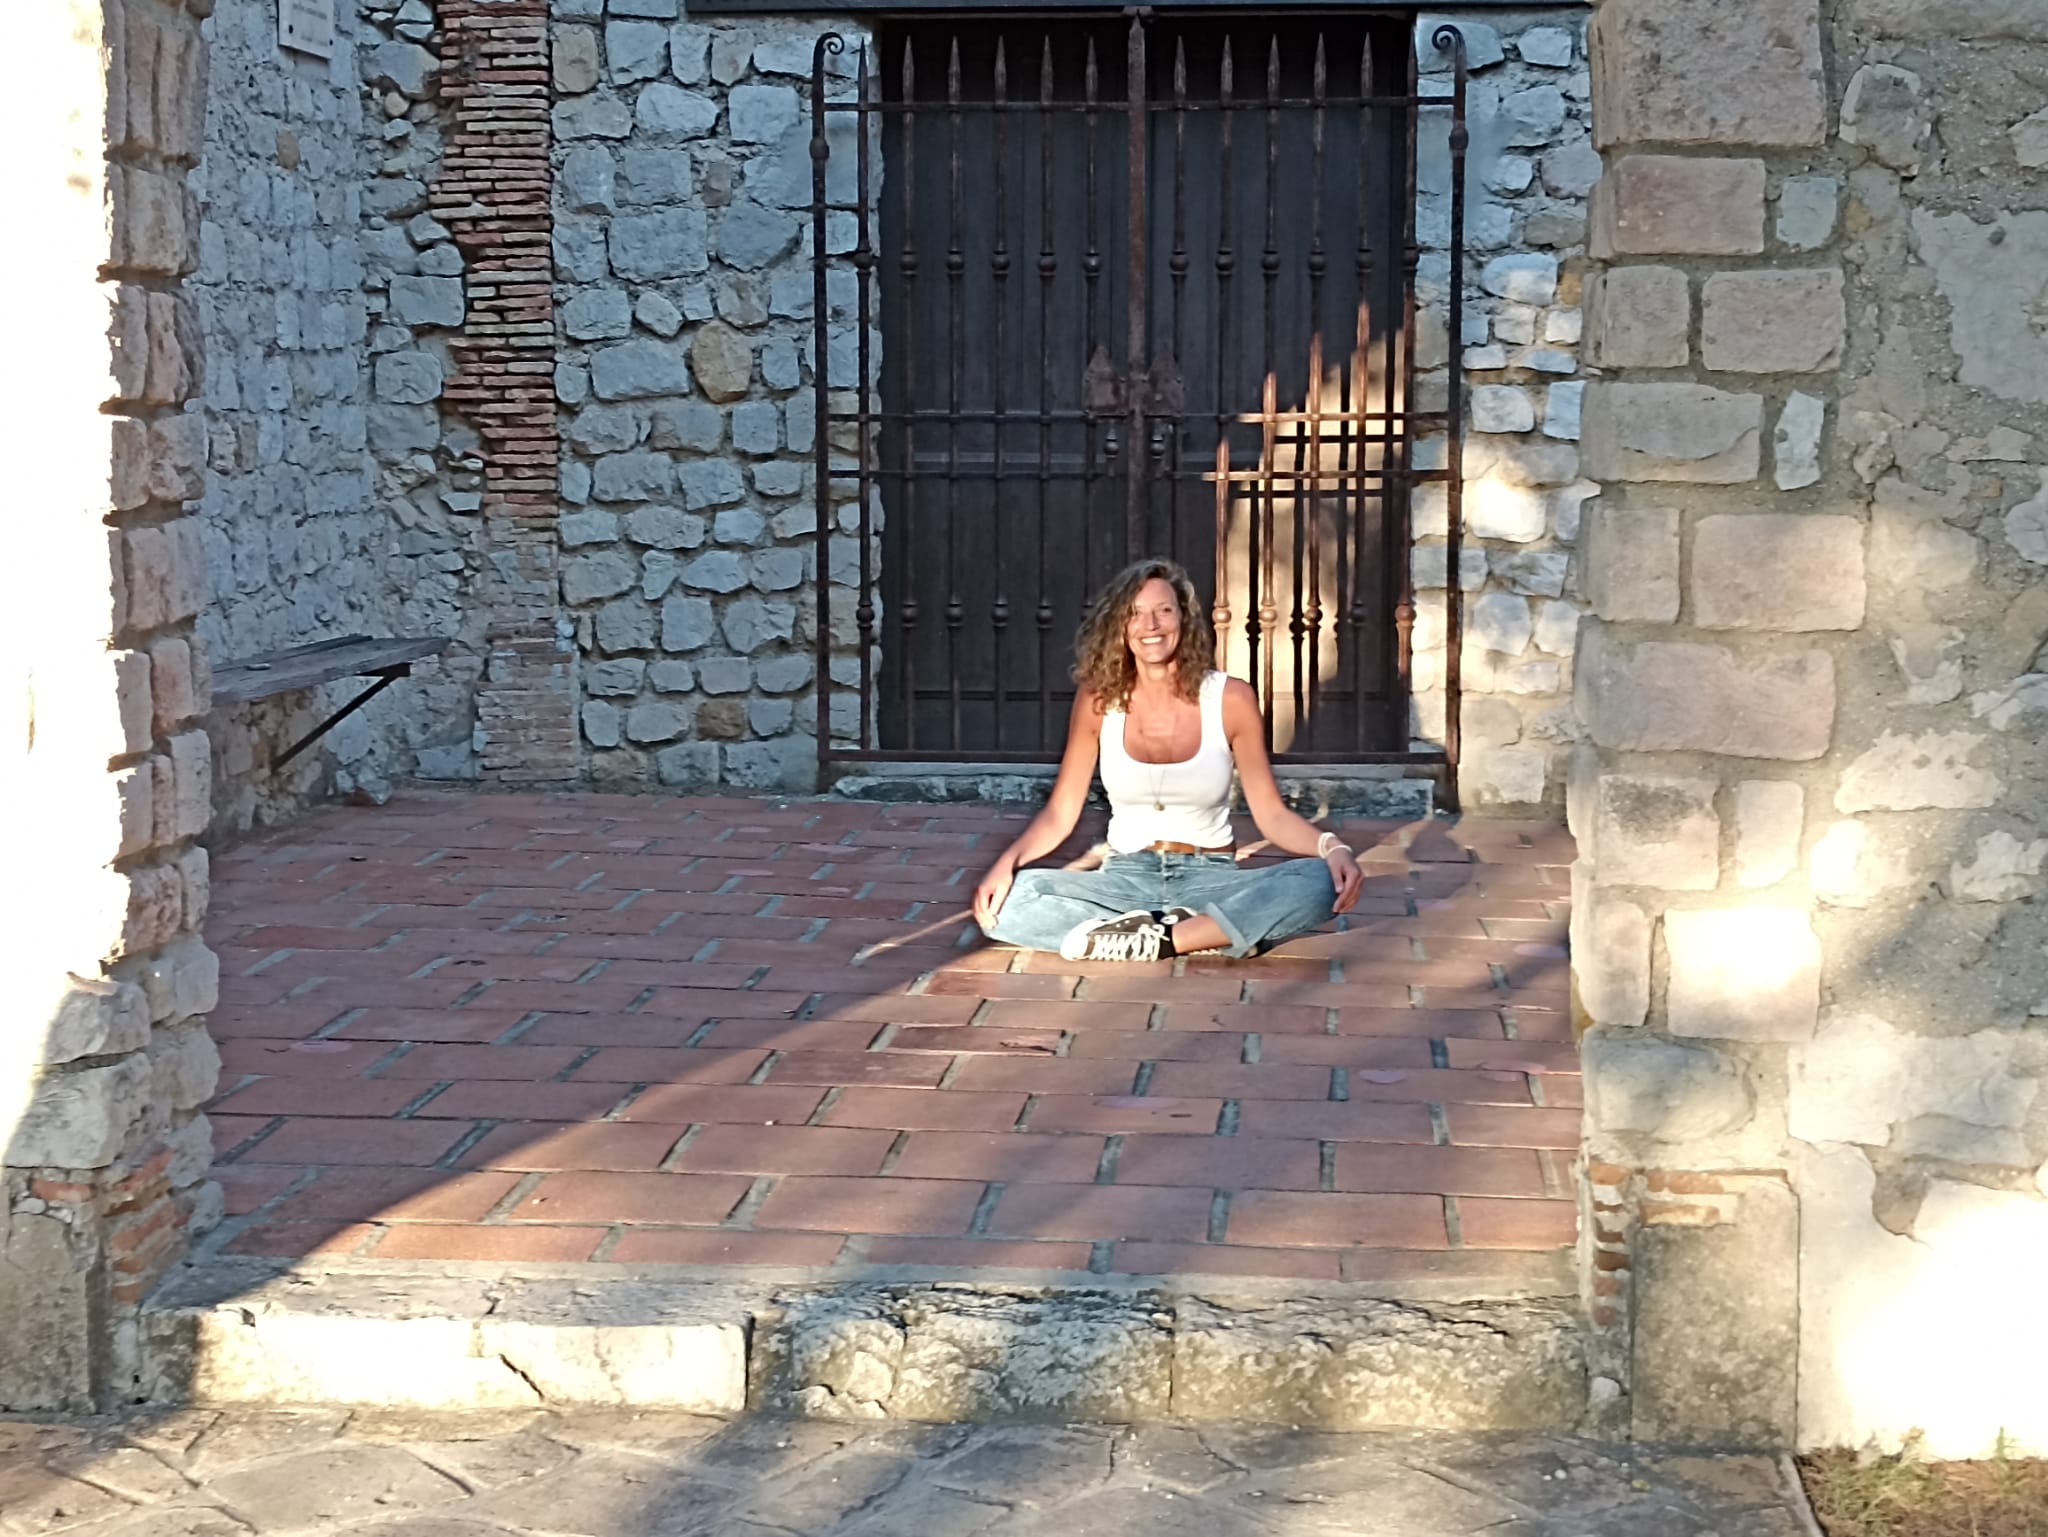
{"x":1187,"y":848}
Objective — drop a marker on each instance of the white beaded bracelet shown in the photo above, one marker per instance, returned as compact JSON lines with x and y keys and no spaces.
{"x":1328,"y":842}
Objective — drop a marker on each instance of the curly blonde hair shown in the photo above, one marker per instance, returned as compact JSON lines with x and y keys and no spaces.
{"x":1102,"y":656}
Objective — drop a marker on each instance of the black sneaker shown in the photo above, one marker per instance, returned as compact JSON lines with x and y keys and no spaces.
{"x":1132,"y":936}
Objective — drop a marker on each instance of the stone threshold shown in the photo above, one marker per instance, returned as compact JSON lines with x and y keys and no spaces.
{"x":1437,"y":1353}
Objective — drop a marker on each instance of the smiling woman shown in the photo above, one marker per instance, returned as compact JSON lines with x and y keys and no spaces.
{"x":1168,"y":731}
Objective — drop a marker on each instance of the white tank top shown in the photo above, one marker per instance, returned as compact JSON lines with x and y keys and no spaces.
{"x":1185,"y":802}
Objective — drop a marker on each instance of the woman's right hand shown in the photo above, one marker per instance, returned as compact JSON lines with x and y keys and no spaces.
{"x":993,"y":891}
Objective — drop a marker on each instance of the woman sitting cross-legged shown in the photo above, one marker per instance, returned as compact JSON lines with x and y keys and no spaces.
{"x":1168,"y":730}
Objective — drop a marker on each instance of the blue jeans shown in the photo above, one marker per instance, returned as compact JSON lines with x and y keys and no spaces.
{"x":1256,"y":906}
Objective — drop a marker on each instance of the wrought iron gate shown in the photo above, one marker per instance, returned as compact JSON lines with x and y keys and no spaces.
{"x":1099,"y":288}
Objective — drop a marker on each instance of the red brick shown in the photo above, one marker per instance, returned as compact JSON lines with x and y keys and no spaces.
{"x":1223,"y":1259}
{"x":886,"y":1205}
{"x":1060,"y":1014}
{"x":689,"y":1003}
{"x":1486,"y":1171}
{"x":1533,"y":1025}
{"x":925,"y":1109}
{"x":425,"y":1024}
{"x":302,"y":1240}
{"x":1159,"y":1045}
{"x":1131,"y":984}
{"x":343,"y":1141}
{"x":1226,"y":1163}
{"x":1241,"y":1080}
{"x":230,"y":1131}
{"x":1058,"y":1075}
{"x":297,"y":1059}
{"x":724,"y":1246}
{"x":794,"y":1035}
{"x":1514,"y":1126}
{"x":1000,"y":1155}
{"x":1000,"y":984}
{"x":395,"y":1195}
{"x":872,"y":1068}
{"x":248,"y":1185}
{"x":1261,"y":970}
{"x":786,"y":1150}
{"x":1430,"y":1024}
{"x":320,"y":1097}
{"x":1126,"y":1113}
{"x":1326,"y":1221}
{"x":634,"y":1030}
{"x":459,"y":1064}
{"x":1259,"y":1018}
{"x":1489,"y":1224}
{"x":1101,"y":1211}
{"x":543,"y":1147}
{"x":528,"y":1244}
{"x":1050,"y":962}
{"x":682,"y":1104}
{"x":658,"y":1065}
{"x":977,"y":1253}
{"x":973,"y":1040}
{"x":241,"y":1015}
{"x":616,"y":1197}
{"x":1515,"y":1056}
{"x":522,"y":1101}
{"x":1334,"y":1121}
{"x":1372,"y":1051}
{"x":891,"y":1010}
{"x":1439,"y":1085}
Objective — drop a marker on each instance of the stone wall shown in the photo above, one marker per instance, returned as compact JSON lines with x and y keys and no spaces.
{"x":103,"y":1056}
{"x":1529,"y":169}
{"x":684,"y":283}
{"x":1809,"y":935}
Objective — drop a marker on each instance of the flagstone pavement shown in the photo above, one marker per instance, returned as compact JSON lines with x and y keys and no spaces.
{"x":314,"y":1473}
{"x":734,"y":1032}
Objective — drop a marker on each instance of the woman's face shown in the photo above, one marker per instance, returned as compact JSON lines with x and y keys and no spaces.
{"x":1153,"y":630}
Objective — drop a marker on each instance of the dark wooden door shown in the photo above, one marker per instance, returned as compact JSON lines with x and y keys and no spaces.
{"x":1142,"y":288}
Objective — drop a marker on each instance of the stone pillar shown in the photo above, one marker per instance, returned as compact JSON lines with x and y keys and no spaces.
{"x":1706,"y":686}
{"x":105,"y":1058}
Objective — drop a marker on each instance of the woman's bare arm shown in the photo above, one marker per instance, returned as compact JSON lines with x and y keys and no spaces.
{"x":1288,"y":832}
{"x":1057,"y":817}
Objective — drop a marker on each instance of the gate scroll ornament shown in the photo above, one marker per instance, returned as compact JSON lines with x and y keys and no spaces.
{"x":994,"y":442}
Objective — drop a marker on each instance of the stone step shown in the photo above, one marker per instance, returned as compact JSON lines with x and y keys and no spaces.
{"x":432,"y":1338}
{"x":1397,"y":791}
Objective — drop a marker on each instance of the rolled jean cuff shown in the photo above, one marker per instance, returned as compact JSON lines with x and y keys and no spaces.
{"x":1240,"y":947}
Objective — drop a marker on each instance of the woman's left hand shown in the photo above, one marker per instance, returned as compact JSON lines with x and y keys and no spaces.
{"x":1344,"y":872}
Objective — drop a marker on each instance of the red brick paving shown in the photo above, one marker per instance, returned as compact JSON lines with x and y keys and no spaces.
{"x":716,"y":1031}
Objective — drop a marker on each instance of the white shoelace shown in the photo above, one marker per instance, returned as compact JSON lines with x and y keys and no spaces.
{"x":1138,"y":944}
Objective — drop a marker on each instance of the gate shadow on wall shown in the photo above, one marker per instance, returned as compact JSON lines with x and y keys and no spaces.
{"x":1074,"y":324}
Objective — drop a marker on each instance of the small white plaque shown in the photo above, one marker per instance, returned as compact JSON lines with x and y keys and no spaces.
{"x":306,"y":26}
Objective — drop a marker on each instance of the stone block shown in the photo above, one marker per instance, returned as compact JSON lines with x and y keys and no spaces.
{"x":95,"y":1017}
{"x":605,"y":574}
{"x":666,"y":111}
{"x":1610,"y":956}
{"x":635,"y":50}
{"x":1715,"y":1347}
{"x":658,"y":314}
{"x":52,"y":1294}
{"x":749,"y":623}
{"x":1882,"y":110}
{"x":152,"y":234}
{"x":1743,"y":974}
{"x":598,"y":314}
{"x":81,"y":1119}
{"x":2001,"y":869}
{"x":1684,"y":433}
{"x":723,"y":361}
{"x":1631,"y":563}
{"x":1571,"y":170}
{"x":1782,"y":322}
{"x":1807,"y":209}
{"x":191,"y":764}
{"x":1989,"y":271}
{"x":600,"y":722}
{"x":725,"y":674}
{"x":638,"y":370}
{"x":1502,"y":408}
{"x":1665,"y":696}
{"x":665,"y":528}
{"x":1500,"y":622}
{"x":1912,"y":543}
{"x":1667,"y":205}
{"x":636,"y":477}
{"x":1795,"y":445}
{"x":686,"y":623}
{"x":1494,"y":509}
{"x":1564,"y":407}
{"x":656,"y":721}
{"x":666,"y":243}
{"x":710,"y":483}
{"x":1702,"y":72}
{"x":407,"y":378}
{"x":762,"y":114}
{"x":626,"y":624}
{"x":1778,"y":571}
{"x":619,"y":678}
{"x":1929,"y":770}
{"x":1858,"y":1079}
{"x":1655,"y":830}
{"x":1522,"y":277}
{"x":175,"y":697}
{"x":185,"y":1065}
{"x":427,"y":301}
{"x":575,"y":63}
{"x":1640,"y":1086}
{"x":1770,"y":816}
